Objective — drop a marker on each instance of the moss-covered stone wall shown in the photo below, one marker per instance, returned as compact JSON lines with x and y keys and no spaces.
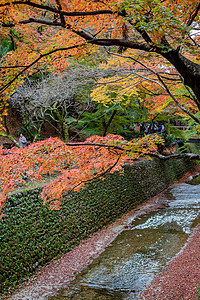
{"x":31,"y":235}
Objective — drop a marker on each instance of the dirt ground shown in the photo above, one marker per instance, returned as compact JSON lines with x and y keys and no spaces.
{"x":181,"y":278}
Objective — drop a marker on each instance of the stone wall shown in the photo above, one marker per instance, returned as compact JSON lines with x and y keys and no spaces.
{"x":31,"y":235}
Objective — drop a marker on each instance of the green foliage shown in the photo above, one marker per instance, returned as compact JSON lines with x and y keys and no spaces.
{"x":29,"y":130}
{"x":5,"y":46}
{"x":8,"y":42}
{"x":193,"y":129}
{"x":169,"y":141}
{"x":175,"y":132}
{"x":93,"y":120}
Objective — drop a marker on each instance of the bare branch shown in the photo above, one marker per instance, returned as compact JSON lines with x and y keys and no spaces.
{"x":177,"y":102}
{"x":121,"y":42}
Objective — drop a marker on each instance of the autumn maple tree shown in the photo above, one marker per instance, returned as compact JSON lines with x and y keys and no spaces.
{"x":60,"y":27}
{"x":42,"y":34}
{"x":158,"y":88}
{"x":68,"y":166}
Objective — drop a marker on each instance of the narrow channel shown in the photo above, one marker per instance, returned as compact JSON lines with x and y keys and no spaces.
{"x":138,"y":254}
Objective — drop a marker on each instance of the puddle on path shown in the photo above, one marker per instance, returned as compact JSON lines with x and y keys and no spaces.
{"x":138,"y":254}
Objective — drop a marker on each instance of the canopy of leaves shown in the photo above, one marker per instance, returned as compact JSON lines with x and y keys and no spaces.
{"x":43,"y":34}
{"x":62,"y":28}
{"x":154,"y":86}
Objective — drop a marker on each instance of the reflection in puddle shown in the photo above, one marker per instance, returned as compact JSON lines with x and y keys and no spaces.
{"x":137,"y":255}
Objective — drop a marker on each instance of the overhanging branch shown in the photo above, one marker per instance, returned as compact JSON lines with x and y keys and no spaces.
{"x":54,"y":10}
{"x":193,"y":15}
{"x":121,"y":42}
{"x":191,"y":156}
{"x":98,"y":175}
{"x":33,"y":20}
{"x":2,"y":89}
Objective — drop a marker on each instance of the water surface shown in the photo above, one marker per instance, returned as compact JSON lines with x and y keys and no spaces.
{"x":138,"y":254}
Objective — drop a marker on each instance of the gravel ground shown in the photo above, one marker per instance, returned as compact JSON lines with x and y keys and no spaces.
{"x":179,"y":280}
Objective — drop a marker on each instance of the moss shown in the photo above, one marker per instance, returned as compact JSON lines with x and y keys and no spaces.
{"x":31,"y":235}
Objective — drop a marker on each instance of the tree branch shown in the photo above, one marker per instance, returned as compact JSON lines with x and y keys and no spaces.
{"x":95,"y":145}
{"x":35,"y":61}
{"x":161,"y":83}
{"x":33,"y":20}
{"x":62,"y":19}
{"x":13,"y":67}
{"x":99,"y":175}
{"x":101,"y":42}
{"x":54,"y":10}
{"x":193,"y":15}
{"x":121,"y":42}
{"x":190,"y":156}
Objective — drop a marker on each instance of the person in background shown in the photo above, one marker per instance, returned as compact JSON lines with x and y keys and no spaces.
{"x":155,"y":127}
{"x":161,"y":129}
{"x":22,"y":141}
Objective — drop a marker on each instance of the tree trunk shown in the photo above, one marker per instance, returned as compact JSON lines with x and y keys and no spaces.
{"x":64,"y":130}
{"x":107,"y":124}
{"x":189,"y":70}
